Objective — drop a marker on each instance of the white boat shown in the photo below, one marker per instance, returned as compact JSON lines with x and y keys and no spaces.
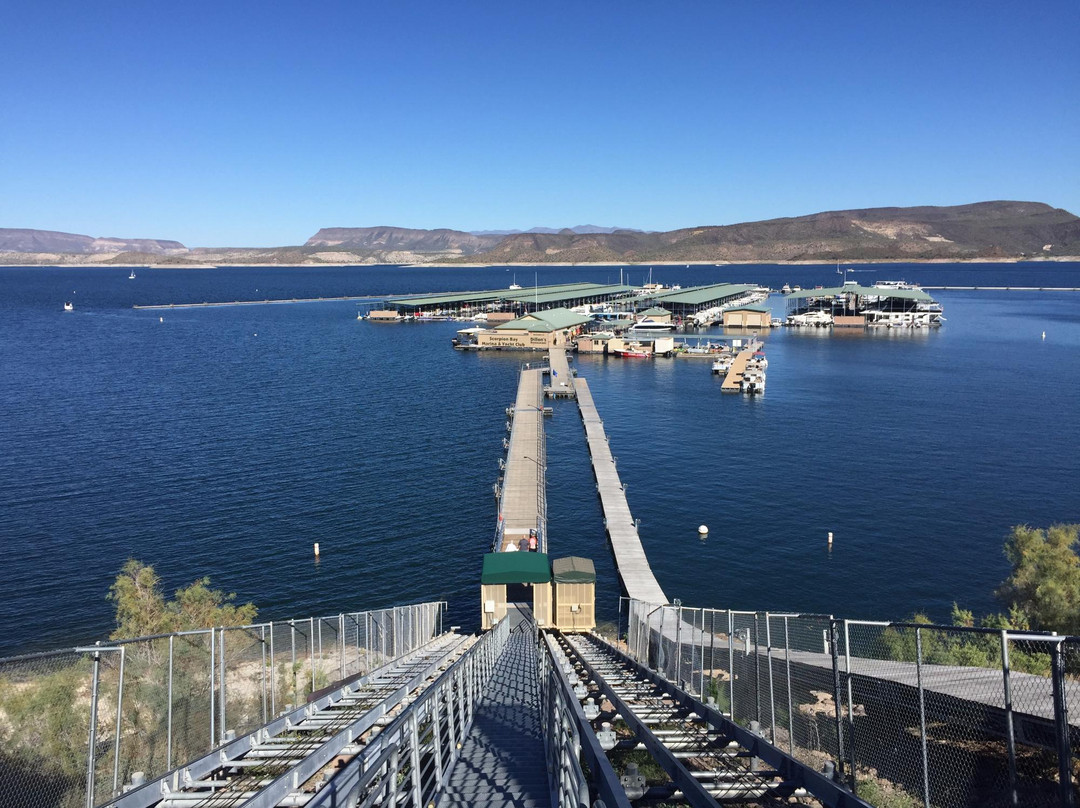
{"x":131,"y":277}
{"x":69,"y":306}
{"x":753,"y":382}
{"x":515,"y":286}
{"x":785,"y":289}
{"x":811,"y":318}
{"x":722,"y":364}
{"x":649,"y":324}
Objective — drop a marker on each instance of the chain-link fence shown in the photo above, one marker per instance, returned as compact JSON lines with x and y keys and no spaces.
{"x":76,"y":724}
{"x":905,"y":714}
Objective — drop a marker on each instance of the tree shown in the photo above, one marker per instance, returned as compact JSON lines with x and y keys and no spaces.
{"x":1044,"y":587}
{"x":142,"y":610}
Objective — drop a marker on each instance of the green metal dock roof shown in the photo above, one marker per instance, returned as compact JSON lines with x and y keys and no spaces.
{"x":703,"y":294}
{"x":749,"y":308}
{"x":515,"y":568}
{"x":861,"y":291}
{"x":546,"y":320}
{"x":567,"y":291}
{"x":540,"y":294}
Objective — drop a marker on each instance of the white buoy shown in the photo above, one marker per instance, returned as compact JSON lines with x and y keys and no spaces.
{"x":703,"y":529}
{"x":830,"y":538}
{"x":161,"y":319}
{"x":316,"y":549}
{"x":1044,"y":335}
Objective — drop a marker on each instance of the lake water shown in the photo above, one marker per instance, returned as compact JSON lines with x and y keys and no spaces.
{"x":226,"y":441}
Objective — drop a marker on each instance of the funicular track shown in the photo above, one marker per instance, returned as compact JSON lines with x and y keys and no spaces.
{"x":271,"y":766}
{"x":708,"y":759}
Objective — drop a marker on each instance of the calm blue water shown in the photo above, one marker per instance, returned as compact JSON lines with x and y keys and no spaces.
{"x":226,"y":441}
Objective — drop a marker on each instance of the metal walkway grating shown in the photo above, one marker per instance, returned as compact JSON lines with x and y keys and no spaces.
{"x":502,"y":759}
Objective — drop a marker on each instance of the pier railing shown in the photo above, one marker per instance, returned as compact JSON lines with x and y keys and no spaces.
{"x":924,"y":715}
{"x":78,"y":723}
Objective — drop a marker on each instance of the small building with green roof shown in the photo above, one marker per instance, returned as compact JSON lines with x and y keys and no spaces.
{"x":536,"y":331}
{"x":747,"y":317}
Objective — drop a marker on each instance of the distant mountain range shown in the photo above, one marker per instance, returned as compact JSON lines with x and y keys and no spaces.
{"x":49,"y":241}
{"x":984,"y":230}
{"x":580,"y":229}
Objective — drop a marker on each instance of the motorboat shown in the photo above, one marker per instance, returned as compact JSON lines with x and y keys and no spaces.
{"x":722,"y":364}
{"x":753,"y":382}
{"x":69,"y":306}
{"x":649,"y":324}
{"x":811,"y":318}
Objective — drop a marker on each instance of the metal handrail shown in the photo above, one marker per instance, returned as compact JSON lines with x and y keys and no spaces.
{"x":417,"y":750}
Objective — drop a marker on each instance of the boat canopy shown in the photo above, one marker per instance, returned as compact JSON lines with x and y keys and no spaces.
{"x":515,"y":568}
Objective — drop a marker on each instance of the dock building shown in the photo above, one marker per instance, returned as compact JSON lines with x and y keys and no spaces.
{"x":536,"y":331}
{"x":539,"y":298}
{"x":747,"y":317}
{"x":688,"y":305}
{"x":853,"y":305}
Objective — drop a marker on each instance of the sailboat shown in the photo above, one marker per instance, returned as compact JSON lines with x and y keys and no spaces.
{"x":515,"y":286}
{"x":131,"y":277}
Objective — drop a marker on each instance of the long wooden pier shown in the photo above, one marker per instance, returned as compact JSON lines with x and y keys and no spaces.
{"x":523,"y":492}
{"x":637,"y":576}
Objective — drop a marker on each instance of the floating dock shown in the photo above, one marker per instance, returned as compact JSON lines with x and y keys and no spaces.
{"x":637,"y":576}
{"x":522,"y":492}
{"x":735,"y":372}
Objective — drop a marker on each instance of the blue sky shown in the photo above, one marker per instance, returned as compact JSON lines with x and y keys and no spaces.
{"x":256,"y":123}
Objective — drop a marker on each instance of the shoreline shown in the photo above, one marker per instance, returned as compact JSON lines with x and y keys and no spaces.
{"x":929,"y":262}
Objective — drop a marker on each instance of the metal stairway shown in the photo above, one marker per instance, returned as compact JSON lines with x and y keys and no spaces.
{"x":502,"y":758}
{"x":272,"y":765}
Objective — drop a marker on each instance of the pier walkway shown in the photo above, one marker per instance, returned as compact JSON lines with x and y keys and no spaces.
{"x":522,"y":493}
{"x":637,"y":576}
{"x":735,"y":372}
{"x":561,"y":381}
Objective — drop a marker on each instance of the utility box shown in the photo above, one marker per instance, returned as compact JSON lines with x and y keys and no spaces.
{"x":574,"y":584}
{"x":516,"y":577}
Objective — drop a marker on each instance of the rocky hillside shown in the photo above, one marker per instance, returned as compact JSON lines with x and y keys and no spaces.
{"x":982,"y":230}
{"x":442,"y":241}
{"x":18,"y":240}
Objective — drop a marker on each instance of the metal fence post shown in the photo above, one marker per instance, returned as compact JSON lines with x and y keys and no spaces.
{"x":1010,"y":735}
{"x":292,"y":658}
{"x":341,"y":641}
{"x":262,"y":677}
{"x":213,"y":703}
{"x":221,"y":679}
{"x":772,"y":692}
{"x":1061,"y":725}
{"x":91,"y":742}
{"x":787,"y":666}
{"x":731,"y":662}
{"x":922,"y":718}
{"x":618,"y":625}
{"x":757,"y":670}
{"x":273,"y":675}
{"x":712,"y":646}
{"x":834,"y":650}
{"x":119,"y":718}
{"x":678,"y":642}
{"x":168,"y":724}
{"x":850,"y":706}
{"x":311,"y":648}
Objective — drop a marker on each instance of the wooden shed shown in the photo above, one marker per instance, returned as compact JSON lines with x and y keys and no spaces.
{"x":516,"y":577}
{"x":574,"y":584}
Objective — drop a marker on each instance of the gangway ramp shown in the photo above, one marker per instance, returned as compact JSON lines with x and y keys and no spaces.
{"x":561,"y":381}
{"x":522,"y":494}
{"x":634,"y":570}
{"x":502,"y":758}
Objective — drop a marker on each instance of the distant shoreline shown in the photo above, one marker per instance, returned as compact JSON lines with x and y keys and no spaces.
{"x":1061,"y":259}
